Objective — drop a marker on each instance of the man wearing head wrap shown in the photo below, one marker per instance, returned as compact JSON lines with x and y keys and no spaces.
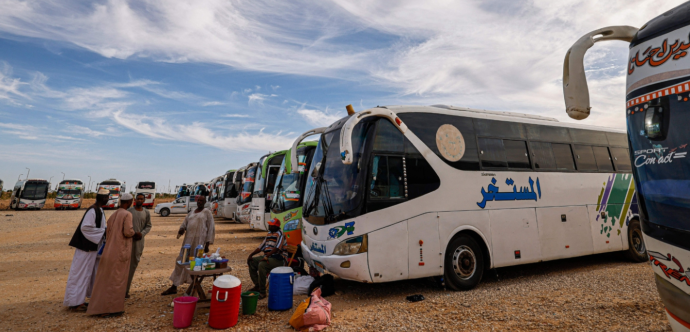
{"x":110,"y":287}
{"x":141,"y":220}
{"x":87,"y":240}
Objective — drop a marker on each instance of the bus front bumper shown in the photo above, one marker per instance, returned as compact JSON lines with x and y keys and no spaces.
{"x":358,"y":269}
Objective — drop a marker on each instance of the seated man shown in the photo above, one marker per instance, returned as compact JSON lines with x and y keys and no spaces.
{"x":274,"y":255}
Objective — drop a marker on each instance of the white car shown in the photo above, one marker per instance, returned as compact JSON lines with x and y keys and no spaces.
{"x":180,"y":205}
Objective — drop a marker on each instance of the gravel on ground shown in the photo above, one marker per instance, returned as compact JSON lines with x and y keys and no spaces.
{"x":599,"y":292}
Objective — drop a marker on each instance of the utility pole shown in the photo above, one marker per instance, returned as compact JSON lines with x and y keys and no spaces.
{"x":89,"y":186}
{"x":168,"y":185}
{"x":27,"y":173}
{"x":63,"y":176}
{"x":49,"y":182}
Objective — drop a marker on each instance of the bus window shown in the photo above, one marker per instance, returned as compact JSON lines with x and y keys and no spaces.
{"x":500,"y":129}
{"x":621,"y":159}
{"x":587,"y":136}
{"x":516,"y":154}
{"x":547,"y":133}
{"x":584,"y":158}
{"x":564,"y":157}
{"x":542,"y":155}
{"x":601,"y":155}
{"x":617,"y":139}
{"x":491,"y":153}
{"x":379,"y":178}
{"x":421,"y":178}
{"x":388,"y":138}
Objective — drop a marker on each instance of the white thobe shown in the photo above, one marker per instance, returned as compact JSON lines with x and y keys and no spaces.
{"x":84,"y":264}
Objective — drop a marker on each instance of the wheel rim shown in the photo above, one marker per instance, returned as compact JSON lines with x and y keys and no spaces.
{"x":638,"y":243}
{"x":464,"y":262}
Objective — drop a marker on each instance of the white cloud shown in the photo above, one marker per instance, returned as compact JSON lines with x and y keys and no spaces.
{"x":85,"y":131}
{"x":258,"y":98}
{"x":213,"y":103}
{"x":200,"y":133}
{"x":318,"y":118}
{"x":235,"y":115}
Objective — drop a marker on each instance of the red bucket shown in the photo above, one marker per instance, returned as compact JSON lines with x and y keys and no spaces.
{"x":184,"y":309}
{"x":225,"y":302}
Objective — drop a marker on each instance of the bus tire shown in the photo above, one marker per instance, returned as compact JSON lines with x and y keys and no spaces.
{"x":165,"y":212}
{"x":464,"y":263}
{"x":637,"y":251}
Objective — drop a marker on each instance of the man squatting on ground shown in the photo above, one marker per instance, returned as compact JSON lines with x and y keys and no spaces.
{"x":274,"y":255}
{"x":87,"y":240}
{"x":141,"y":221}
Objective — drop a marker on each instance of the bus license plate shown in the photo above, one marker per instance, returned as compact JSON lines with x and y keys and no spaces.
{"x":318,"y":266}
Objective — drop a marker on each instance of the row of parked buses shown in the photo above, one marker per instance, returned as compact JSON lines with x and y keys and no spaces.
{"x":403,"y":192}
{"x":31,"y":194}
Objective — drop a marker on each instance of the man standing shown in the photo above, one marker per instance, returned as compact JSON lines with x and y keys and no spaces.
{"x":141,"y":220}
{"x":108,"y":299}
{"x":274,"y":255}
{"x":87,"y":239}
{"x":198,"y":228}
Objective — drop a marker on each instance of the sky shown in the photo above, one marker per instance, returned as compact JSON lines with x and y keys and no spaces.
{"x":177,"y":91}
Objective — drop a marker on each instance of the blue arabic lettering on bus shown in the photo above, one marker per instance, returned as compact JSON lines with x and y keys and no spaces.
{"x":318,"y":248}
{"x":524,"y":194}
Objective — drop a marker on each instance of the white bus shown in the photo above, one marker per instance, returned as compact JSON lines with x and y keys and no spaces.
{"x":244,"y":199}
{"x":404,"y":192}
{"x":29,"y":194}
{"x":69,"y":194}
{"x":656,"y":108}
{"x":266,"y":175}
{"x":226,"y":204}
{"x":148,"y":188}
{"x":116,"y":187}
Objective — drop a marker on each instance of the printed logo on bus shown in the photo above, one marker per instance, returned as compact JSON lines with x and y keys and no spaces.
{"x":617,"y":203}
{"x":290,"y":215}
{"x":659,"y":155}
{"x":657,"y":56}
{"x":679,"y":274}
{"x":522,"y":194}
{"x":337,"y":232}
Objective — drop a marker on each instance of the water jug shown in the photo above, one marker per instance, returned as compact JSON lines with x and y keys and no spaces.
{"x":225,"y":302}
{"x":280,"y":288}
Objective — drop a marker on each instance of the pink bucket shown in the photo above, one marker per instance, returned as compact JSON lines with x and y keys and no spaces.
{"x":184,"y":309}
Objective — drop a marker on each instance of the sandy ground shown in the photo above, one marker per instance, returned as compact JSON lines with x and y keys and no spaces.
{"x":601,"y":292}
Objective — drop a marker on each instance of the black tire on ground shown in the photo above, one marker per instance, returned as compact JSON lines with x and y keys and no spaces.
{"x":165,"y":212}
{"x":637,"y":251}
{"x":464,"y":263}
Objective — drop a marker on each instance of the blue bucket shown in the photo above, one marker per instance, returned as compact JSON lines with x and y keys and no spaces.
{"x":280,"y":288}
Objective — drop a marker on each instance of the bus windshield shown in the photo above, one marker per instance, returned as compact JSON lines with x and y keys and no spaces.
{"x":289,"y":186}
{"x":35,"y":190}
{"x":248,"y":186}
{"x":336,"y":193}
{"x":146,"y":185}
{"x":230,"y":191}
{"x":73,"y":192}
{"x":183,"y":192}
{"x":659,"y":143}
{"x":260,"y":178}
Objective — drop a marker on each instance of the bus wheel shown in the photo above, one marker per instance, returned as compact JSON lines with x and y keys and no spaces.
{"x":165,"y":212}
{"x":637,"y":252}
{"x":464,"y":264}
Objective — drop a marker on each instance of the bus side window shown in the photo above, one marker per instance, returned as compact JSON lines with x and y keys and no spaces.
{"x":421,"y":178}
{"x":564,"y":156}
{"x":603,"y":159}
{"x":542,"y":155}
{"x":584,"y":157}
{"x":621,"y":159}
{"x":379,"y":177}
{"x":516,"y":154}
{"x":491,"y":153}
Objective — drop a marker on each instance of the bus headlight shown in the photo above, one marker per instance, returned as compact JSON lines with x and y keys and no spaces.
{"x":352,"y":246}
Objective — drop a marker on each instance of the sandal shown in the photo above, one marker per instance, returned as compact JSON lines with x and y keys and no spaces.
{"x":262,"y":296}
{"x":170,"y":291}
{"x":79,"y":308}
{"x":253,"y":289}
{"x":110,"y":315}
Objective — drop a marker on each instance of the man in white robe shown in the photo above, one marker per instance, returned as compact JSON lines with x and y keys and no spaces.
{"x":87,"y":240}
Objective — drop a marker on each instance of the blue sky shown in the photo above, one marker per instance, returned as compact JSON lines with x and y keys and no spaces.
{"x":180,"y":91}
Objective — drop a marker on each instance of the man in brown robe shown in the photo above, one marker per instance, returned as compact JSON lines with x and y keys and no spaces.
{"x":108,"y":297}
